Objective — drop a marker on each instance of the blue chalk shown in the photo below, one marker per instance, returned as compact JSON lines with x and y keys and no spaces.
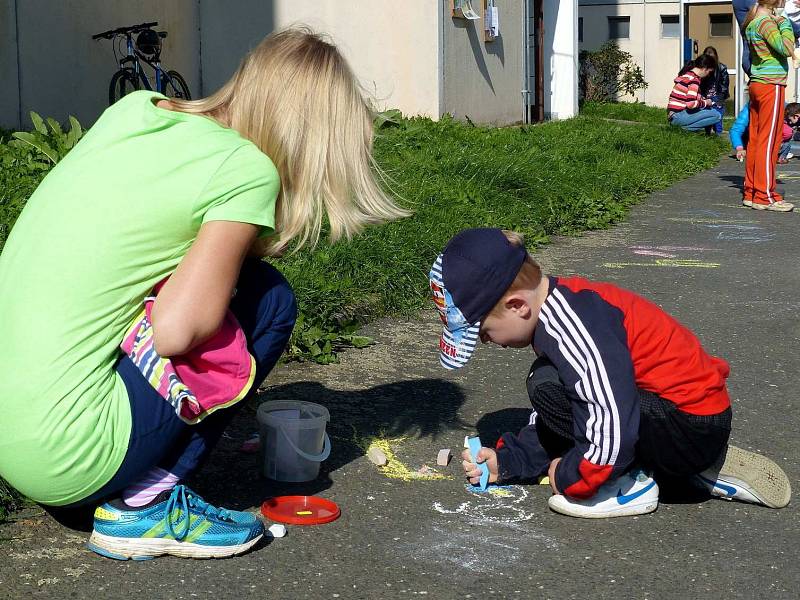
{"x":474,"y":444}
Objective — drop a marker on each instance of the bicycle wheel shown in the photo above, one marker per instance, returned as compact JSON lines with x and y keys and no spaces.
{"x":123,"y":82}
{"x":173,"y":85}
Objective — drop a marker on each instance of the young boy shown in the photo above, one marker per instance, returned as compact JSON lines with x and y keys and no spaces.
{"x":619,"y":389}
{"x":791,"y":118}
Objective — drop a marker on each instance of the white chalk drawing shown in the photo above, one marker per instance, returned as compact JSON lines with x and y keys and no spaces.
{"x":671,"y":248}
{"x":507,"y":504}
{"x":477,"y":550}
{"x":655,"y":253}
{"x":750,"y":234}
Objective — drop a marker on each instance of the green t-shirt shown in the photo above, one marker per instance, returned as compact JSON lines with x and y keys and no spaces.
{"x":107,"y":223}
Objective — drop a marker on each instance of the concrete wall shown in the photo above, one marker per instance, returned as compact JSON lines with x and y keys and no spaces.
{"x":560,"y":59}
{"x":9,"y":75}
{"x":411,"y":55}
{"x":229,"y":30}
{"x":392,"y":46}
{"x":483,"y":80}
{"x":62,"y":71}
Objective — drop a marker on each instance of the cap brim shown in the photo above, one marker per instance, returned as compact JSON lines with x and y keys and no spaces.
{"x":456,"y":347}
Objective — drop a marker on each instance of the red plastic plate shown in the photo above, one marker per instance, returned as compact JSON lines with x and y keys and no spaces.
{"x":300,"y":510}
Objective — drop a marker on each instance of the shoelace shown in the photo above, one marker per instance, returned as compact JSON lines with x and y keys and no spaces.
{"x":183,"y":498}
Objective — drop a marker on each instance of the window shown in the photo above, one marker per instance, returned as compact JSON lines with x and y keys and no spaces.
{"x":619,"y":28}
{"x":580,"y":29}
{"x":670,"y":26}
{"x":721,"y":25}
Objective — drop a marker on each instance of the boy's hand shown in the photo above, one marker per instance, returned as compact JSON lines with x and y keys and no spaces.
{"x":740,"y":154}
{"x":551,"y":474}
{"x":472,"y":471}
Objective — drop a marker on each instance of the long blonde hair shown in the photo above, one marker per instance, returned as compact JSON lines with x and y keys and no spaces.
{"x":751,"y":14}
{"x":296,"y":98}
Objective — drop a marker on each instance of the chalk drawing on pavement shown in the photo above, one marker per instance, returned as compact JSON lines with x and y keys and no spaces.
{"x":708,"y":221}
{"x":665,"y":262}
{"x":506,"y":504}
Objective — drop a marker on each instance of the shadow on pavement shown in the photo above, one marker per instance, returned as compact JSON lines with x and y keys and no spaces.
{"x":424,"y":408}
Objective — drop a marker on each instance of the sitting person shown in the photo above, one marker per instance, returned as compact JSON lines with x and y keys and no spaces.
{"x":716,"y":87}
{"x":790,"y":121}
{"x":687,"y":107}
{"x":622,"y":392}
{"x":739,"y":132}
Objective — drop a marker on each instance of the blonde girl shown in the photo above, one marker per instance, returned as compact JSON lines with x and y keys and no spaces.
{"x":133,"y":319}
{"x":771,"y":42}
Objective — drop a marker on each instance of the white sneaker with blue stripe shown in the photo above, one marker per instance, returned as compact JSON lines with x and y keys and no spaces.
{"x":634,"y":493}
{"x":747,"y":477}
{"x":177,"y":522}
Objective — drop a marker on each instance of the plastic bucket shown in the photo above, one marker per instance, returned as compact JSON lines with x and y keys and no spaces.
{"x":293,"y":439}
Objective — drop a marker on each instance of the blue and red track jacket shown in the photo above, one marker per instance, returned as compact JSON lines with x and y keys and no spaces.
{"x":606,"y":342}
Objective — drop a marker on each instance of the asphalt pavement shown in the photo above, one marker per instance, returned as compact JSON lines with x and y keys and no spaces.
{"x":413,"y":530}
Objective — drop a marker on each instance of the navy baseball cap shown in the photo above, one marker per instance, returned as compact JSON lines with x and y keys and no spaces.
{"x":467,"y":279}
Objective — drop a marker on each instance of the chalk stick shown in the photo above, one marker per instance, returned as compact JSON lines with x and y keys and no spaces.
{"x":474,"y":445}
{"x":277,"y":530}
{"x":443,"y":458}
{"x":376,"y":456}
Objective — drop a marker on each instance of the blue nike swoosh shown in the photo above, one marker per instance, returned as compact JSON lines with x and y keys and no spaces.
{"x":730,"y":490}
{"x":622,"y":499}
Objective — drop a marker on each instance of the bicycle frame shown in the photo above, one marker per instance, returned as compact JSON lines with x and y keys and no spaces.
{"x":135,"y":57}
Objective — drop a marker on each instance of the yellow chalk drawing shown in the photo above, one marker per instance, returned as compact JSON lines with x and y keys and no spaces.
{"x":500,"y":492}
{"x":394,"y":469}
{"x":664,"y":262}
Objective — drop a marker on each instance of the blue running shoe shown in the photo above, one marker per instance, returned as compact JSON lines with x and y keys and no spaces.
{"x":177,"y":522}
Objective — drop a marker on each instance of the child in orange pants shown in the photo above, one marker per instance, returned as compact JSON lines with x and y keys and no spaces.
{"x":771,"y":42}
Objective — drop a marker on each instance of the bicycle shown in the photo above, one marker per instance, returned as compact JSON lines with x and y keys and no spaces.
{"x":131,"y":75}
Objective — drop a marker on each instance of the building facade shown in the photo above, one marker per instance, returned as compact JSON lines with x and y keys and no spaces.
{"x":662,"y":34}
{"x":417,"y":56}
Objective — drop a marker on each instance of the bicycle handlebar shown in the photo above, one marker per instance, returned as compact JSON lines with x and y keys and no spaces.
{"x":130,"y":29}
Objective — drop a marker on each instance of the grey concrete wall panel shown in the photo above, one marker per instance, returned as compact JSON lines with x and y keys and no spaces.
{"x":63,"y":71}
{"x":483,"y":80}
{"x":228,"y":31}
{"x":9,"y":75}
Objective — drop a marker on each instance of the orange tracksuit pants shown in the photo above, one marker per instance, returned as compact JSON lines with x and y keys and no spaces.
{"x":764,"y":142}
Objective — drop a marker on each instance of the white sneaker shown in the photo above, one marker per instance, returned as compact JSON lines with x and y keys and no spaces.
{"x":634,"y":493}
{"x":789,"y":156}
{"x":779,"y":206}
{"x":748,"y":477}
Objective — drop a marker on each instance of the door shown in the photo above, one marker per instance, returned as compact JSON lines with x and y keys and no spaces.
{"x":533,"y":86}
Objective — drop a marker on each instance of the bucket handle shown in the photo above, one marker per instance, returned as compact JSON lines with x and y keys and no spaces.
{"x":326,"y":448}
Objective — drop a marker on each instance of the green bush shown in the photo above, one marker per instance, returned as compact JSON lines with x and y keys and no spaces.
{"x":608,"y":73}
{"x":24,"y":161}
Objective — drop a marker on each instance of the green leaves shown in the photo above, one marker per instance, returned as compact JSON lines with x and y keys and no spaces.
{"x":53,"y":143}
{"x":609,"y":73}
{"x":25,"y":159}
{"x":313,"y":339}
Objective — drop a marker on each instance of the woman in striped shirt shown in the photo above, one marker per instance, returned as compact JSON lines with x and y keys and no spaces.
{"x":687,"y":108}
{"x":771,"y":42}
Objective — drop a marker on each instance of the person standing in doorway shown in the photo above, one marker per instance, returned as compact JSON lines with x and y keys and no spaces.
{"x":771,"y":42}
